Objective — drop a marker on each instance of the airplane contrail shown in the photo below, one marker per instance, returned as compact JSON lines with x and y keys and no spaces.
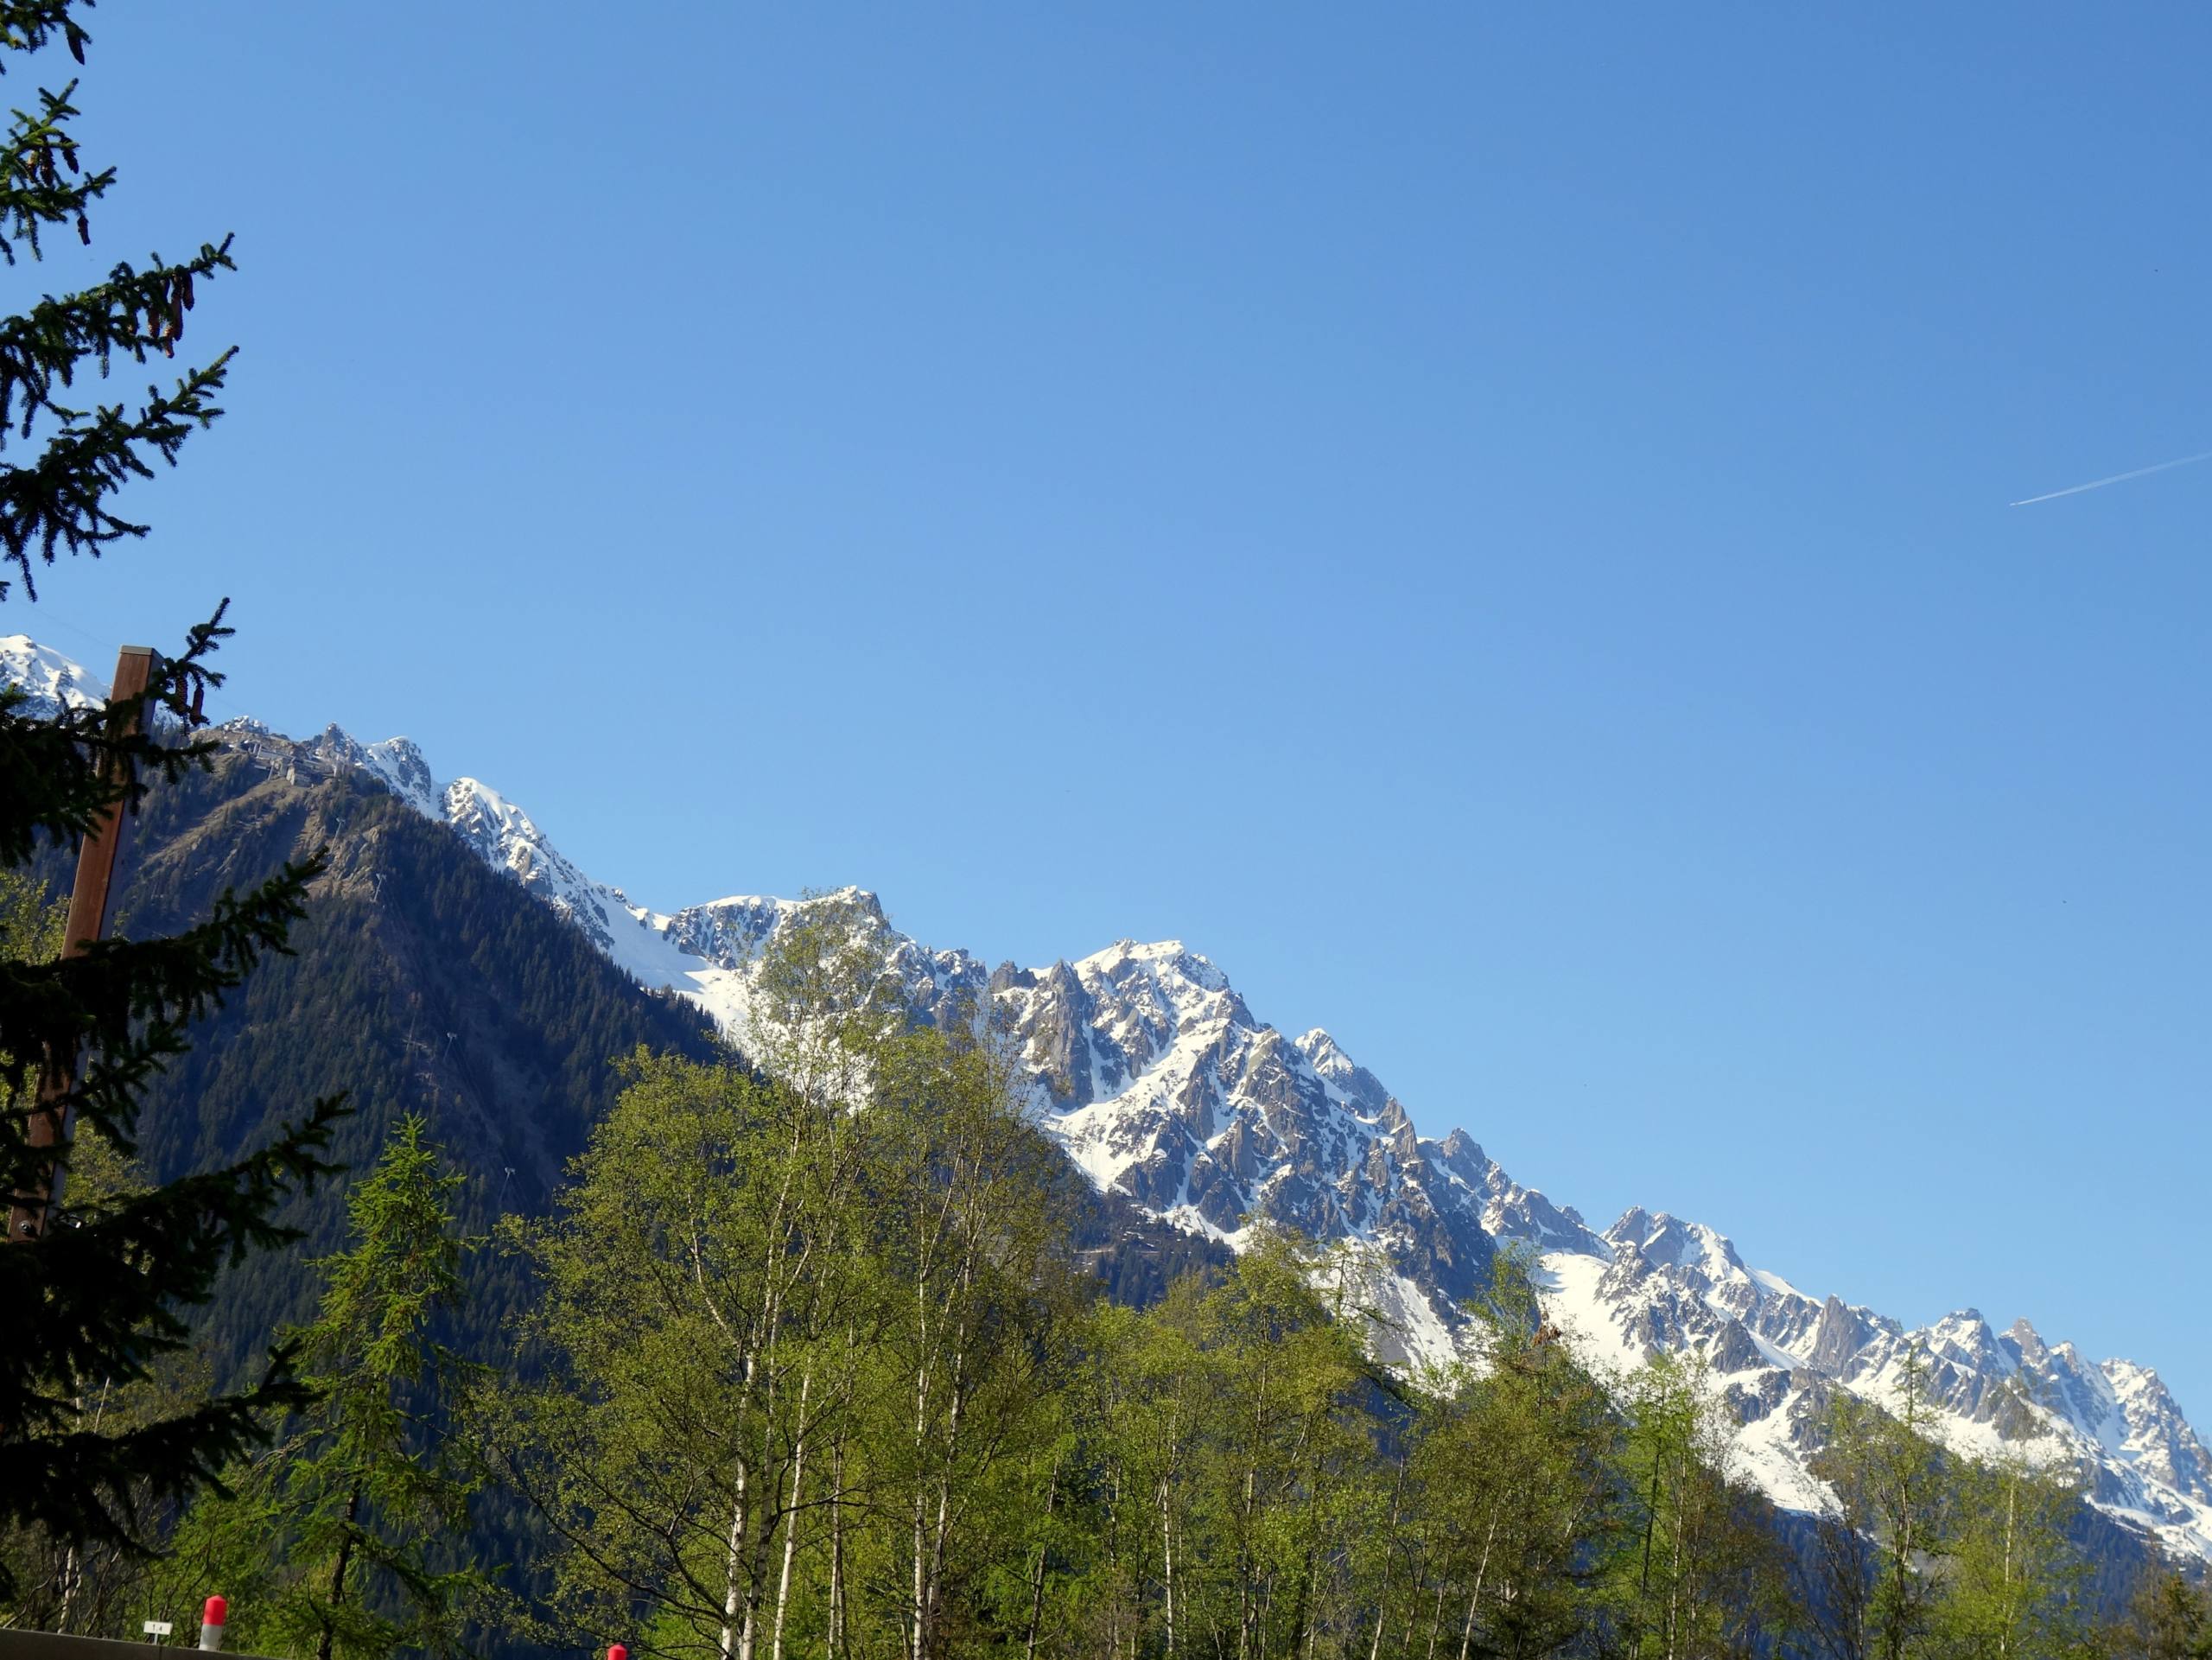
{"x":2117,"y":478}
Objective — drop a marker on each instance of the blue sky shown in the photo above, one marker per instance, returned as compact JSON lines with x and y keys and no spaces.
{"x":1490,"y":523}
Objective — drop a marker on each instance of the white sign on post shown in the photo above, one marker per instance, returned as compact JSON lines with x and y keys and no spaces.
{"x":159,"y":1628}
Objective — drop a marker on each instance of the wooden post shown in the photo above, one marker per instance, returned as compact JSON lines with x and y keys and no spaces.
{"x":49,"y":1119}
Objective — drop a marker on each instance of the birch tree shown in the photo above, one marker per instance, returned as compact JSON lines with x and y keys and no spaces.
{"x":1889,"y":1529}
{"x":2015,"y":1587}
{"x":700,"y":1304}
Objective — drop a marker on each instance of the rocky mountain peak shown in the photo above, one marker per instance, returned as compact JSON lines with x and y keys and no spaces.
{"x":49,"y":679}
{"x":2026,"y":1344}
{"x":1966,"y":1338}
{"x":1166,"y":963}
{"x":1346,"y":1077}
{"x":1837,"y":1338}
{"x":1667,"y":1241}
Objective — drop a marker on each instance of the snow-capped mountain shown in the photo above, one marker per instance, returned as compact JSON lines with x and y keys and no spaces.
{"x":1161,"y":1083}
{"x":49,"y":678}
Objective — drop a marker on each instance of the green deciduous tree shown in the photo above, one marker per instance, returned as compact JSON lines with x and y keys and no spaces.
{"x":1231,"y":1460}
{"x":699,"y":1330}
{"x":30,"y":921}
{"x":1517,"y":1466}
{"x":1881,"y":1545}
{"x":709,"y":1298}
{"x":2015,"y":1585}
{"x":1700,"y":1573}
{"x":962,"y":1194}
{"x":801,"y":1338}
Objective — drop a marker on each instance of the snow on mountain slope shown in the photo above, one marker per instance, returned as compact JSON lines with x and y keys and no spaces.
{"x":1160,"y":1083}
{"x":50,"y":678}
{"x":1148,"y":1067}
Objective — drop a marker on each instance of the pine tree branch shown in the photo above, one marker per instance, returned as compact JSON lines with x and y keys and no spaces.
{"x":34,"y":154}
{"x":59,"y":774}
{"x":102,"y":1293}
{"x":29,"y":25}
{"x":95,"y":1487}
{"x":133,"y":313}
{"x":126,"y":1002}
{"x":133,"y":1264}
{"x":57,"y":503}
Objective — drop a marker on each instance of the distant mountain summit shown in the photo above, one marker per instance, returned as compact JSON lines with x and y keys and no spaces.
{"x":1167,"y":1090}
{"x":50,"y":680}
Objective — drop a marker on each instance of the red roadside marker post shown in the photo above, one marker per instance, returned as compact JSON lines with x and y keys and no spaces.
{"x":211,"y":1623}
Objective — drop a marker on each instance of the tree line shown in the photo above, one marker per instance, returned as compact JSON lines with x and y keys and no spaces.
{"x":810,"y":1369}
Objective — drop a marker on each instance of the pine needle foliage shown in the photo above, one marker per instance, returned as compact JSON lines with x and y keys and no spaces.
{"x":2169,"y":1618}
{"x":371,"y":1487}
{"x":59,"y":499}
{"x":99,"y":1296}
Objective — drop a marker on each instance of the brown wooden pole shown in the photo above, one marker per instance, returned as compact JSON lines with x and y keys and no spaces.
{"x":49,"y":1119}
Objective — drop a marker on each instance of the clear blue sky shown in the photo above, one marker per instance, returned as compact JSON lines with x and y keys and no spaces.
{"x":1489,"y":522}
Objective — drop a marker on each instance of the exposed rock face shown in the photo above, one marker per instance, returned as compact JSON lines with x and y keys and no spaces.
{"x":1161,"y":1085}
{"x":1839,"y":1334}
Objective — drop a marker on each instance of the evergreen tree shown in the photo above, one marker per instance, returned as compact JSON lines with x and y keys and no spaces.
{"x":354,"y":1506}
{"x":67,"y":1585}
{"x":93,"y":1290}
{"x":2169,"y":1618}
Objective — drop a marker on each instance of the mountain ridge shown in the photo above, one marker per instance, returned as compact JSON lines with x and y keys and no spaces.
{"x":1162,"y":1085}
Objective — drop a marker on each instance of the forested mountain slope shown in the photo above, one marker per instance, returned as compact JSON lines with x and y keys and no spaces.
{"x":1185,"y":1110}
{"x":421,"y":981}
{"x":427,"y":978}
